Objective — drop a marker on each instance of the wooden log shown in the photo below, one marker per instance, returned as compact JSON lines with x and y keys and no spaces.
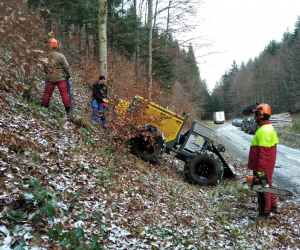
{"x":281,"y":120}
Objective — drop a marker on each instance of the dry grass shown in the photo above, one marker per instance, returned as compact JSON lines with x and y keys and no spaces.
{"x":290,"y":135}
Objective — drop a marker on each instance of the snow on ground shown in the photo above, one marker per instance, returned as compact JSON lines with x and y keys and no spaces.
{"x":95,"y":185}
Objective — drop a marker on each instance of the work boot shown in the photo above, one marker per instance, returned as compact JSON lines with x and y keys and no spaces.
{"x":68,"y":110}
{"x":260,"y":216}
{"x":274,"y":210}
{"x":266,"y":215}
{"x":103,"y":120}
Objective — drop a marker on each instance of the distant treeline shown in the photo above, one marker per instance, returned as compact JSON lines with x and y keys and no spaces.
{"x":273,"y":77}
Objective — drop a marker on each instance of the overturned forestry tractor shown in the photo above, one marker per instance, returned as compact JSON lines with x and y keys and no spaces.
{"x":204,"y":165}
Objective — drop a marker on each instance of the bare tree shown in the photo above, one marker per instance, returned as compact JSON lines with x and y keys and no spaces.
{"x":177,"y":16}
{"x":102,"y":24}
{"x":150,"y":14}
{"x":137,"y":46}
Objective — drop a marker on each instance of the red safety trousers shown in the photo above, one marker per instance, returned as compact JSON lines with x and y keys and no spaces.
{"x":270,"y":200}
{"x":62,"y":87}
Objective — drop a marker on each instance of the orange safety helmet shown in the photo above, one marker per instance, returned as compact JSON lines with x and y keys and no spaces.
{"x":53,"y":43}
{"x":263,"y":111}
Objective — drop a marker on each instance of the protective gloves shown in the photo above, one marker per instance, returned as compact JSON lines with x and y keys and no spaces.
{"x":263,"y":180}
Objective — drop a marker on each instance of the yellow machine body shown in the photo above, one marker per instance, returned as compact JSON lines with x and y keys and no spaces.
{"x":170,"y":126}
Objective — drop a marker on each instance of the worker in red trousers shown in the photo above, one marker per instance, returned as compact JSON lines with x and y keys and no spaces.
{"x":56,"y":75}
{"x":262,"y":155}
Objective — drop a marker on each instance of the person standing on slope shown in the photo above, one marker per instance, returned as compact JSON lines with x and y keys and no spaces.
{"x":100,"y":100}
{"x":262,"y":156}
{"x":56,"y":76}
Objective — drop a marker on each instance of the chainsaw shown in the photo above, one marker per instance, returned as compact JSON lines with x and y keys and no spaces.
{"x":255,"y":185}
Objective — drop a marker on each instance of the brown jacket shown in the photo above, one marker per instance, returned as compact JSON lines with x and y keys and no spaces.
{"x":60,"y":67}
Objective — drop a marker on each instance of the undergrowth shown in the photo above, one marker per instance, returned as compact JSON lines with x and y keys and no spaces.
{"x":118,"y":173}
{"x":290,"y":135}
{"x":296,"y":125}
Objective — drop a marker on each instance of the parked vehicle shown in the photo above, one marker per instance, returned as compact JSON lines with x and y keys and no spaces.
{"x":237,"y":122}
{"x":245,"y":122}
{"x":219,"y":117}
{"x":251,"y":126}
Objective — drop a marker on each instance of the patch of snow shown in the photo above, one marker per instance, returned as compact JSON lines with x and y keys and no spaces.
{"x":4,"y":149}
{"x":28,"y":196}
{"x":7,"y":240}
{"x":79,"y":223}
{"x":62,"y":205}
{"x":57,"y":186}
{"x":31,"y":216}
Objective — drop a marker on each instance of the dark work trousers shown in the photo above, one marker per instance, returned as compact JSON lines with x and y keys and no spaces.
{"x":69,"y":89}
{"x":99,"y":106}
{"x":261,"y":203}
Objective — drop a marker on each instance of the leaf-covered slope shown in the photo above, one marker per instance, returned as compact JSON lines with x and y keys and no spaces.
{"x":64,"y":186}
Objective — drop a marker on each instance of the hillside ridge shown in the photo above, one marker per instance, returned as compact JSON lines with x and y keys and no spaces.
{"x":64,"y":186}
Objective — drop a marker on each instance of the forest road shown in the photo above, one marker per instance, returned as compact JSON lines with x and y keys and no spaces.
{"x":287,"y":166}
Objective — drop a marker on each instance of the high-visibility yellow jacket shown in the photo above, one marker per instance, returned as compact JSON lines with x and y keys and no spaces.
{"x":262,"y":155}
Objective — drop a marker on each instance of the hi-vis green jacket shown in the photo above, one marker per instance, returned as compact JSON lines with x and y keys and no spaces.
{"x":60,"y":70}
{"x":262,"y":155}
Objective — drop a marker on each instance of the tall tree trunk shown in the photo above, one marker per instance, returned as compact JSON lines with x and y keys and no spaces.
{"x":64,"y":33}
{"x":112,"y":44}
{"x":67,"y":34}
{"x":137,"y":47}
{"x":102,"y":24}
{"x":80,"y":38}
{"x":96,"y":44}
{"x":48,"y":22}
{"x":87,"y":44}
{"x":60,"y":29}
{"x":155,"y":14}
{"x":168,"y":24}
{"x":150,"y":46}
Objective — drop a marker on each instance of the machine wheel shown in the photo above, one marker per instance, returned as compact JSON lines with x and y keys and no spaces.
{"x":204,"y":168}
{"x":142,"y":147}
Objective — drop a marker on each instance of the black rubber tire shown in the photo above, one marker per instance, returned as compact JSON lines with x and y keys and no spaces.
{"x":149,"y":153}
{"x":204,"y":168}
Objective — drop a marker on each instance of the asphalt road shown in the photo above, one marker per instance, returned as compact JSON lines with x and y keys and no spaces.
{"x":287,"y":166}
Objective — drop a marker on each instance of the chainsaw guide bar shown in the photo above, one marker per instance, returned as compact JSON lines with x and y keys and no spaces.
{"x":277,"y":191}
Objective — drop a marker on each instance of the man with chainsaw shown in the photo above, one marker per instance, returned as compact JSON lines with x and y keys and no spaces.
{"x":56,"y":75}
{"x":262,"y":156}
{"x":100,"y":100}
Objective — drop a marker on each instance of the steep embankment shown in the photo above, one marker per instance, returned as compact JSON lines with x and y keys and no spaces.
{"x":76,"y":185}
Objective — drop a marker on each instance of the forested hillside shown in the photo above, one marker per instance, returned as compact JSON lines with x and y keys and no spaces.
{"x":272,"y":77}
{"x":174,"y":68}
